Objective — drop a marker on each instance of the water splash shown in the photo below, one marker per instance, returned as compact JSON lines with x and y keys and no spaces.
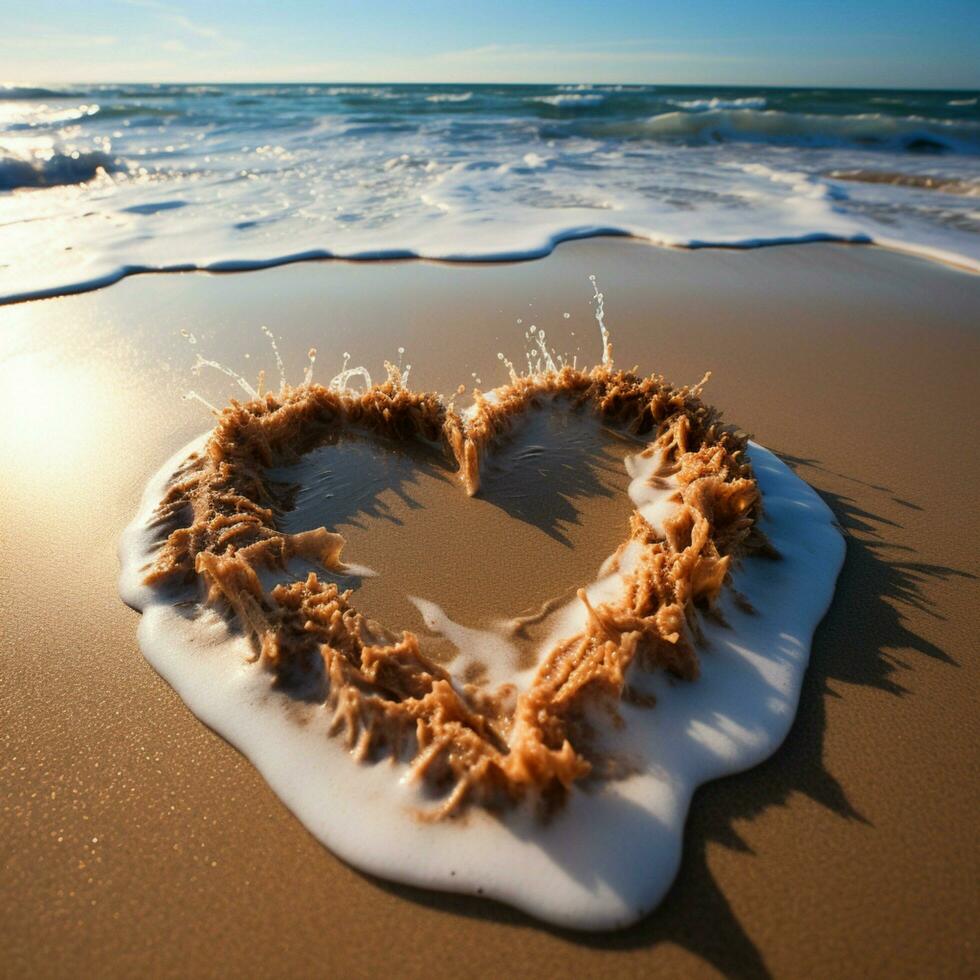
{"x":275,"y":350}
{"x":509,"y":364}
{"x":311,"y":360}
{"x":242,"y":383}
{"x":600,"y":319}
{"x":546,"y":358}
{"x":539,"y":356}
{"x":403,"y":373}
{"x":542,"y":359}
{"x":397,"y":373}
{"x":194,"y":396}
{"x":340,"y":382}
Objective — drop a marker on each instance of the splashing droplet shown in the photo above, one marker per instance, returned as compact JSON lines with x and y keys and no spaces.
{"x":194,"y":396}
{"x":341,"y":381}
{"x":275,"y":350}
{"x":308,"y":376}
{"x":600,"y":319}
{"x":242,"y":383}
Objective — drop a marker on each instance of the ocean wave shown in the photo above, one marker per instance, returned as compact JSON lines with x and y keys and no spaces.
{"x":962,"y":102}
{"x":38,"y":117}
{"x":53,"y":116}
{"x":449,"y":97}
{"x":66,"y":167}
{"x":122,"y":110}
{"x":698,"y":105}
{"x":867,"y":131}
{"x":160,"y":91}
{"x":380,"y":171}
{"x":17,"y":92}
{"x":568,"y":99}
{"x":965,"y":187}
{"x":360,"y":91}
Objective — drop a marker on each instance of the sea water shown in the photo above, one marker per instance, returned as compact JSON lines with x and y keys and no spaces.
{"x":97,"y":181}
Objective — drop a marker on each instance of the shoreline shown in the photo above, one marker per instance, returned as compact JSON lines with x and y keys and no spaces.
{"x":936,"y":256}
{"x":139,"y":840}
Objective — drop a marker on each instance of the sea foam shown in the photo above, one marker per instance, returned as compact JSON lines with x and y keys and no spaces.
{"x":270,"y":174}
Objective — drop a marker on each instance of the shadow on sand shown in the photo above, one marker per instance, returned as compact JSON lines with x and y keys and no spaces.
{"x":880,"y":581}
{"x":553,"y":458}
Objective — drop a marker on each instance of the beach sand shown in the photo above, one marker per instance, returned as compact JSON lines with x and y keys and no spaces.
{"x":137,"y":840}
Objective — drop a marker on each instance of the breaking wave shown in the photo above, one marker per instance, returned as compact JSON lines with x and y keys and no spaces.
{"x":695,"y":105}
{"x":569,"y":99}
{"x":67,"y":167}
{"x":275,"y":173}
{"x":868,"y":130}
{"x":450,"y":97}
{"x":16,"y":92}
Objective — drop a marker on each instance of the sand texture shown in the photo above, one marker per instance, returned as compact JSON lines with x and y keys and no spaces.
{"x":137,"y":840}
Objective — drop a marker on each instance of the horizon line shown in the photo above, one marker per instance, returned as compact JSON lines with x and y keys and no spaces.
{"x":486,"y":84}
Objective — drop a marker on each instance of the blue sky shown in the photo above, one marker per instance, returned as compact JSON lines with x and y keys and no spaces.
{"x":774,"y":42}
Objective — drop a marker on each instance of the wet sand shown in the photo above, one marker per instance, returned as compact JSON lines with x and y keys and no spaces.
{"x":135,"y":839}
{"x":553,"y":503}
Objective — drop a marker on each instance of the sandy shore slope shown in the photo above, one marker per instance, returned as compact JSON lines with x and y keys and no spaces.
{"x":136,"y":840}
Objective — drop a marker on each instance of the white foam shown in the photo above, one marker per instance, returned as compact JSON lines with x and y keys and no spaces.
{"x":105,"y":183}
{"x":362,"y":91}
{"x":450,"y":97}
{"x":455,"y":213}
{"x":610,"y":854}
{"x":749,"y":102}
{"x":489,"y":649}
{"x":569,"y":99}
{"x":654,"y":504}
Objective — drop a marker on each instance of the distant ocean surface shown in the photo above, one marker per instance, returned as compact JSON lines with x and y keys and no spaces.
{"x":100,"y":180}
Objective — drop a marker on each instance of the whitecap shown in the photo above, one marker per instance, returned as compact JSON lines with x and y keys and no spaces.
{"x":754,"y":102}
{"x":568,"y":99}
{"x":449,"y":97}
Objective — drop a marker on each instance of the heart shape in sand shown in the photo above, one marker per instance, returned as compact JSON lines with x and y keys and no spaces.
{"x":469,"y":745}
